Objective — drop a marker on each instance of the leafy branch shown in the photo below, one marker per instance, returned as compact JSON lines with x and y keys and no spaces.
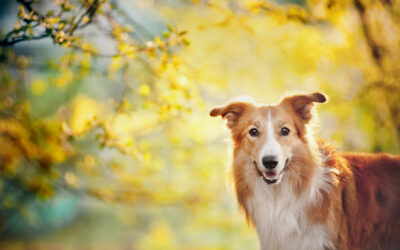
{"x":33,"y":25}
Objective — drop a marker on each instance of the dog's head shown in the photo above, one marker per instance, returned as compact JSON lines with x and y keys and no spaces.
{"x":271,"y":137}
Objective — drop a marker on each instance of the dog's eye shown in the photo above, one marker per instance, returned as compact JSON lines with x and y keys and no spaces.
{"x":285,"y":131}
{"x":253,"y":132}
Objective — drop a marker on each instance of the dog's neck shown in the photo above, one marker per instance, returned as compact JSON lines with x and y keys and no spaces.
{"x":279,"y":213}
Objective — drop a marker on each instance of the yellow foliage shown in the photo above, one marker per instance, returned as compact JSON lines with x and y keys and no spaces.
{"x":38,"y":87}
{"x":144,"y":90}
{"x":115,"y":65}
{"x":137,"y":123}
{"x":70,"y":179}
{"x":88,"y":49}
{"x":64,"y":78}
{"x":52,"y":20}
{"x":126,"y":49}
{"x":85,"y":111}
{"x":160,"y":237}
{"x":89,"y":160}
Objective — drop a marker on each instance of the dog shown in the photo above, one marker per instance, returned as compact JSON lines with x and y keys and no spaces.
{"x":298,"y":192}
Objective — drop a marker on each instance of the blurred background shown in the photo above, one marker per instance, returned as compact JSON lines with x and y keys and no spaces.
{"x":105,"y":138}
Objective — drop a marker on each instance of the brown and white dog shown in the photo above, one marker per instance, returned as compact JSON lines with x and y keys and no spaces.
{"x":300,"y":193}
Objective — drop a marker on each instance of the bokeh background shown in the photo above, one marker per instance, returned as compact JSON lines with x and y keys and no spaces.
{"x":105,"y":138}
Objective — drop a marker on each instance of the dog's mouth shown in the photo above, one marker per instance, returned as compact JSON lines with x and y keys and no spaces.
{"x":271,"y":176}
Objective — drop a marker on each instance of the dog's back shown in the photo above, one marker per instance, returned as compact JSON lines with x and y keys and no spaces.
{"x":376,"y":222}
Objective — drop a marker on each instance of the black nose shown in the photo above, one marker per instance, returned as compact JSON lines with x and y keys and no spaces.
{"x":269,"y":162}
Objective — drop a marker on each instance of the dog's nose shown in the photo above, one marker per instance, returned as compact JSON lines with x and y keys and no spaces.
{"x":269,"y":162}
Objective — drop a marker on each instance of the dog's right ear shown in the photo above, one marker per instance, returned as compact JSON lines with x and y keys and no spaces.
{"x":230,"y":112}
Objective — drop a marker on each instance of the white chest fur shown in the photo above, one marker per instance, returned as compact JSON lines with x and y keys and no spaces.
{"x":280,"y":217}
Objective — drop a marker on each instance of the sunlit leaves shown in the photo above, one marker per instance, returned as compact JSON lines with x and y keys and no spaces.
{"x":66,"y":6}
{"x":84,"y":112}
{"x":115,"y":64}
{"x":51,"y":21}
{"x":126,"y":50}
{"x":38,"y":87}
{"x":161,"y":236}
{"x":144,"y":90}
{"x":70,"y":179}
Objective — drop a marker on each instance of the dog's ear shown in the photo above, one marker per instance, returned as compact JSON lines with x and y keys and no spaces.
{"x":302,"y":104}
{"x":230,"y":112}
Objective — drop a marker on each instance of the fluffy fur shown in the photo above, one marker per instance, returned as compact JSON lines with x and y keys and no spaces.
{"x":315,"y":198}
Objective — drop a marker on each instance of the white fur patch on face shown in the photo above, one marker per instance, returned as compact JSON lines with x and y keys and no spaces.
{"x":271,"y":147}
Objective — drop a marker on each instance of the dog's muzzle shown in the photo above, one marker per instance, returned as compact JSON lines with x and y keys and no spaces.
{"x":271,"y":177}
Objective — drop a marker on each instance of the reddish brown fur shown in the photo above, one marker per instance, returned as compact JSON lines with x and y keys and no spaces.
{"x":361,"y":210}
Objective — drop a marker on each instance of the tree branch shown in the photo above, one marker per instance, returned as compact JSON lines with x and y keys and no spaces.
{"x":26,"y":4}
{"x":90,"y":12}
{"x":12,"y":38}
{"x":376,"y":50}
{"x":5,"y":42}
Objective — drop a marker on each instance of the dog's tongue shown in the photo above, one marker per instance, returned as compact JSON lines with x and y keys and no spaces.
{"x":271,"y":174}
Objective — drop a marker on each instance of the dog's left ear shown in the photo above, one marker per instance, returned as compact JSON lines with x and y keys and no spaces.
{"x":302,"y":104}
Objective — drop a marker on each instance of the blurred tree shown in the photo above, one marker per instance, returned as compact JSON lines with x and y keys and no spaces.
{"x":39,"y":143}
{"x":95,"y":101}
